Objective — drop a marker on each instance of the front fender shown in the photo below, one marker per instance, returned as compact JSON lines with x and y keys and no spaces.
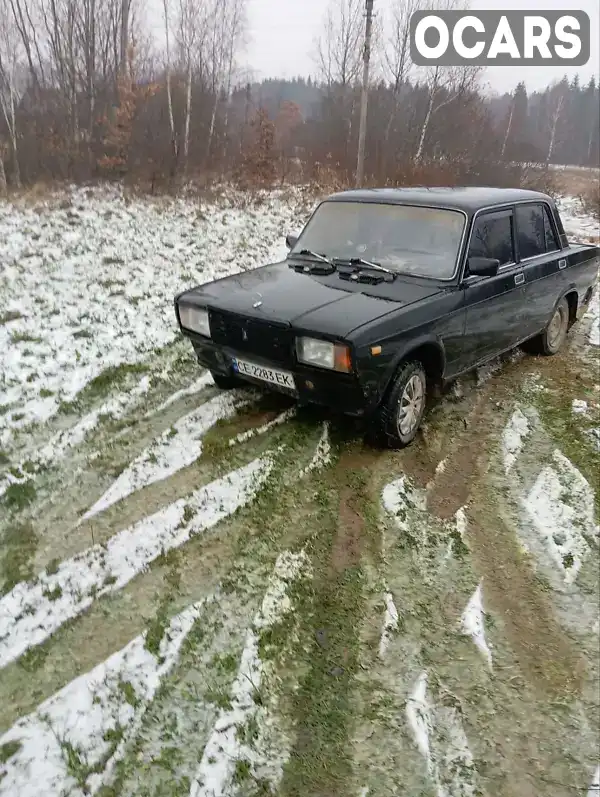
{"x":428,"y":345}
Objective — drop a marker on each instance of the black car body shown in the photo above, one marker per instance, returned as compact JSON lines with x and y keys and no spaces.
{"x":494,"y":269}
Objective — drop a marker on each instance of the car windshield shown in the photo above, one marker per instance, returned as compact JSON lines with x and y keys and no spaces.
{"x":404,"y":238}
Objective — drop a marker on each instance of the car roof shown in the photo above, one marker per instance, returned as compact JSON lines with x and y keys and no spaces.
{"x":466,"y":198}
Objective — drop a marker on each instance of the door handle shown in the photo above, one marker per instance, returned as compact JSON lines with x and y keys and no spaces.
{"x":519,"y":279}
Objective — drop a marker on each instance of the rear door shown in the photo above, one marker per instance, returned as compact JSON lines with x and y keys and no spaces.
{"x":540,"y":258}
{"x":495,"y":305}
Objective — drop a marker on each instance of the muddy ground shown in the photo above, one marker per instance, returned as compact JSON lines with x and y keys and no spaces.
{"x":373,"y":682}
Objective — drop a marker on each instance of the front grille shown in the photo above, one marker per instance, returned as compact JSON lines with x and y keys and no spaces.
{"x":265,"y":339}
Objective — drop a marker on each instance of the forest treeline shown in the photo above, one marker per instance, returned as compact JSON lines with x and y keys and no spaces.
{"x":89,"y":90}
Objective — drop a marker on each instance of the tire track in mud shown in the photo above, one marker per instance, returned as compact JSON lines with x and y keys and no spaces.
{"x":38,"y":657}
{"x":515,"y":719}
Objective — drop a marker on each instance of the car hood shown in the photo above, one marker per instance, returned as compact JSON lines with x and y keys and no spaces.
{"x":325,"y":304}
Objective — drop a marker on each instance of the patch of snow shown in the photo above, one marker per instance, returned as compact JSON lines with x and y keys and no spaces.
{"x":175,"y":449}
{"x":561,"y":506}
{"x":32,"y":611}
{"x":441,"y":467}
{"x":322,"y":455}
{"x":472,"y":623}
{"x":94,"y":288}
{"x":594,"y":790}
{"x":461,"y":522}
{"x":215,"y":774}
{"x":105,"y":704}
{"x":204,"y":381}
{"x":579,"y":226}
{"x":440,"y":738}
{"x":594,"y":435}
{"x":580,"y":407}
{"x":513,"y":436}
{"x":390,"y":624}
{"x":593,"y":313}
{"x":58,"y":446}
{"x":398,"y":497}
{"x":460,"y":519}
{"x":283,"y":417}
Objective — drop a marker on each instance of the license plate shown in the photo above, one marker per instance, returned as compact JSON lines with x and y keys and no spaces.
{"x":271,"y":375}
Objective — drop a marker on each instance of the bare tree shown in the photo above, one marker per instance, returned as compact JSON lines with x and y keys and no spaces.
{"x":227,"y":20}
{"x":339,"y":48}
{"x":190,"y":34}
{"x":10,"y":53}
{"x":174,"y":143}
{"x":396,"y":56}
{"x":3,"y":186}
{"x":508,"y":126}
{"x":555,"y":114}
{"x":444,"y":84}
{"x":124,"y":37}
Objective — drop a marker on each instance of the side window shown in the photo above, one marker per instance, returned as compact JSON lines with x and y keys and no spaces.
{"x":493,"y":237}
{"x":551,"y":240}
{"x":532,"y":230}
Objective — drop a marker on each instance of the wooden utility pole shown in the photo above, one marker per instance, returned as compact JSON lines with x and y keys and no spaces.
{"x":362,"y":135}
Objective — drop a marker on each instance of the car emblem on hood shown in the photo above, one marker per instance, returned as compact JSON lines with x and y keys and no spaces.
{"x":259,"y":302}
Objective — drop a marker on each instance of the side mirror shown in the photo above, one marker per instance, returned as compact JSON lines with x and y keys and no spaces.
{"x":482,"y":266}
{"x":291,"y":241}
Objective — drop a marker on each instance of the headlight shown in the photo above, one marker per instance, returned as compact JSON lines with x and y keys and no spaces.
{"x":195,"y":319}
{"x":324,"y":354}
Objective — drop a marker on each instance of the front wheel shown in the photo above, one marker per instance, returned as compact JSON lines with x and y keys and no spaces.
{"x":400,"y":415}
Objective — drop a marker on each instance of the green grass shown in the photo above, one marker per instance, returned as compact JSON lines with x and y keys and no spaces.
{"x":8,"y":750}
{"x":101,"y":386}
{"x":568,"y":430}
{"x":332,"y":607}
{"x":10,"y":315}
{"x":128,"y":691}
{"x":19,"y":544}
{"x":53,"y":594}
{"x":19,"y":495}
{"x":24,"y":337}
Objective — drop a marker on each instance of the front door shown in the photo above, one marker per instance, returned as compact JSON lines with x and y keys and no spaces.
{"x":495,"y":306}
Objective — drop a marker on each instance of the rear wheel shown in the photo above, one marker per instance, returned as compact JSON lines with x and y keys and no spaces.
{"x":224,"y":382}
{"x":400,"y":416}
{"x":551,"y":340}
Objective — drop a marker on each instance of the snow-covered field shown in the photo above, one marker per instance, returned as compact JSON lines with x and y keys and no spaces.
{"x":214,"y":594}
{"x":90,"y":285}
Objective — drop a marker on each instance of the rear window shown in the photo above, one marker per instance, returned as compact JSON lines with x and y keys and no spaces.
{"x":535,"y":232}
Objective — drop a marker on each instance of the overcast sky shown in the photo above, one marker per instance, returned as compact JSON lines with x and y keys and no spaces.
{"x":282,"y":35}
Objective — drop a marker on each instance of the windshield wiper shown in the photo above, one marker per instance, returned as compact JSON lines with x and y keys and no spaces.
{"x":360,"y":262}
{"x":314,"y":255}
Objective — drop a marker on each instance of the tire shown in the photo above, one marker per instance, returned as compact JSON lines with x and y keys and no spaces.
{"x":408,"y":392}
{"x":224,"y":382}
{"x":551,"y":340}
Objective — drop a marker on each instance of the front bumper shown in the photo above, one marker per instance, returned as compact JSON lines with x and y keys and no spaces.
{"x":341,"y":392}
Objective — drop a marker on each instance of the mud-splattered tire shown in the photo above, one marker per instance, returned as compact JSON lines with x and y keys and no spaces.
{"x":224,"y":382}
{"x":400,"y":415}
{"x":551,"y":340}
